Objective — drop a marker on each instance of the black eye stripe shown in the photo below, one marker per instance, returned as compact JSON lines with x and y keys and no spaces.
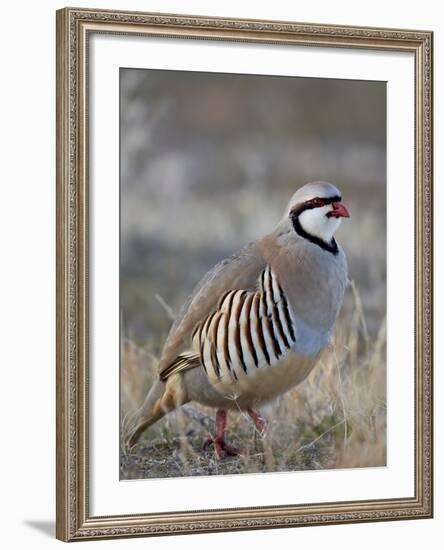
{"x":309,"y":205}
{"x":322,"y":202}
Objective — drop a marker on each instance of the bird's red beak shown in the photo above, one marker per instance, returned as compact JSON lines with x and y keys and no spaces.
{"x":339,"y":211}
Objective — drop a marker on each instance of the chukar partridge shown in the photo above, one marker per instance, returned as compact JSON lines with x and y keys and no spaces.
{"x":257,"y":322}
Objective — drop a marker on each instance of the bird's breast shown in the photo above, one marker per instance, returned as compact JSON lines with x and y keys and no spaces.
{"x":314,"y":281}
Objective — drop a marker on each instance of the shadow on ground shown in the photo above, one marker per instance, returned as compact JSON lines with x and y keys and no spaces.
{"x":47,"y":527}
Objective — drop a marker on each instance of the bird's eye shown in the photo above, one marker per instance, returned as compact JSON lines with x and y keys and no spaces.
{"x":317,"y":202}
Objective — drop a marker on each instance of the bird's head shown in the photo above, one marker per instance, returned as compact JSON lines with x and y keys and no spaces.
{"x":315,"y":212}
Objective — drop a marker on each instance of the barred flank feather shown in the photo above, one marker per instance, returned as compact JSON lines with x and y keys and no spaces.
{"x":183,"y":362}
{"x":247,"y":331}
{"x":257,"y":330}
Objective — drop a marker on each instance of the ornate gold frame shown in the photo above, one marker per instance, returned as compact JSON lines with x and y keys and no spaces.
{"x":73,"y":28}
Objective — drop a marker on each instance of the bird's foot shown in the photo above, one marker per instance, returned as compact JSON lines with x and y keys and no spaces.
{"x":221,"y":448}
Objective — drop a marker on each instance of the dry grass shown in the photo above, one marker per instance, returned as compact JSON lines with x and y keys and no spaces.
{"x":335,"y":419}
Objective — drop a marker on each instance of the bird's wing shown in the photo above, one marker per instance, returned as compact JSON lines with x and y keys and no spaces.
{"x":240,"y":271}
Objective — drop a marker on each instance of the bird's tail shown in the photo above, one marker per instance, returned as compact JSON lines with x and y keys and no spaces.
{"x":162,"y":398}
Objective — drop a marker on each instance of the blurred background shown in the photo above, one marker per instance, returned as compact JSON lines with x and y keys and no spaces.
{"x":208,"y":163}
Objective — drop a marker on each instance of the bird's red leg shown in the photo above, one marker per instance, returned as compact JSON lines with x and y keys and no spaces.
{"x":264,"y":429}
{"x":220,"y":447}
{"x":221,"y":424}
{"x":260,"y":422}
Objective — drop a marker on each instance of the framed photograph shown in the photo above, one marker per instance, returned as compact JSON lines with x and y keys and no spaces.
{"x":244,"y":274}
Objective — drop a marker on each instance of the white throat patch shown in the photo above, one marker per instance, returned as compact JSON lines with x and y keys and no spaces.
{"x":316,"y":223}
